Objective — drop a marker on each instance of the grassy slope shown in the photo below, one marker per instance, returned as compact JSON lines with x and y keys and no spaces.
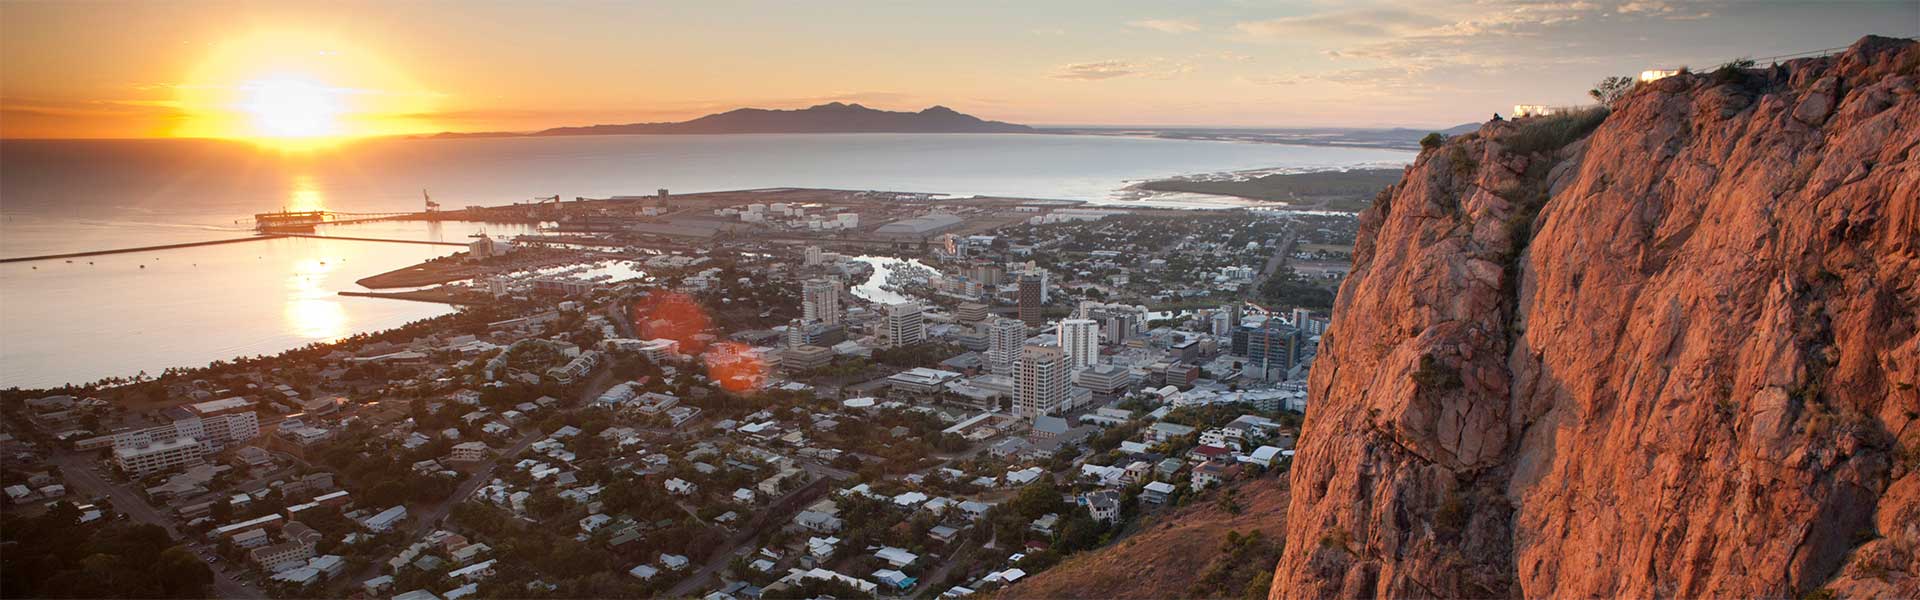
{"x":1165,"y":560}
{"x":1349,"y":190}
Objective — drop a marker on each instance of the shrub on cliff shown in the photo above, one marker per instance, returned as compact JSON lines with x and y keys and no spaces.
{"x":1550,"y":133}
{"x":1611,"y":89}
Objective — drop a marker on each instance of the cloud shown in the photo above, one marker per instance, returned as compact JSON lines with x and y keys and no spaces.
{"x":1653,"y":7}
{"x":1095,"y":71}
{"x":1354,"y":23}
{"x":1381,"y":78}
{"x":1174,"y":26}
{"x":1405,"y":45}
{"x":90,"y":108}
{"x":1152,"y":68}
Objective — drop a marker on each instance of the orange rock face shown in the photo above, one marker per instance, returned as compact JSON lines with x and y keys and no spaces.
{"x":1674,"y":358}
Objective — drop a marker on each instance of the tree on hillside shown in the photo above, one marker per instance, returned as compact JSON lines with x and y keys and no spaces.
{"x":1611,"y":89}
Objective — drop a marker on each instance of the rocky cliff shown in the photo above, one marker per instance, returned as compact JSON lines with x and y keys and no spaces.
{"x":1668,"y":351}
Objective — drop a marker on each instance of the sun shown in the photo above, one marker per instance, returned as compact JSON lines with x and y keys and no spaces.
{"x":299,"y":90}
{"x":292,"y":108}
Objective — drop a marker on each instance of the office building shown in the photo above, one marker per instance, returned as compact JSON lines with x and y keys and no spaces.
{"x":820,"y":300}
{"x":1307,"y":324}
{"x":1029,"y":299}
{"x":905,"y":325}
{"x":805,"y":358}
{"x":1080,"y":339}
{"x":1272,"y":349}
{"x":215,"y":424}
{"x":1104,"y":382}
{"x":987,"y":274}
{"x":1040,"y":381}
{"x":282,"y":556}
{"x":802,"y":333}
{"x":154,"y":457}
{"x":972,"y":312}
{"x":1118,"y":322}
{"x":1004,"y":337}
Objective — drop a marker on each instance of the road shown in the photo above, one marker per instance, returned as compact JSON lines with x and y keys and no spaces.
{"x":939,"y":574}
{"x":738,"y":544}
{"x":819,"y":470}
{"x":424,"y":522}
{"x":78,"y":471}
{"x":1279,"y":258}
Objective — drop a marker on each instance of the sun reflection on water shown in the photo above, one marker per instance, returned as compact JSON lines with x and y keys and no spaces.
{"x":305,"y":194}
{"x":312,"y":312}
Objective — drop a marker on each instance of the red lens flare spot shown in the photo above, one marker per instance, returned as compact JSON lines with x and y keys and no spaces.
{"x":736,"y":367}
{"x":673,"y":316}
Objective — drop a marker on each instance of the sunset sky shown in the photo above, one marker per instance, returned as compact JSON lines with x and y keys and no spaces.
{"x":225,"y":69}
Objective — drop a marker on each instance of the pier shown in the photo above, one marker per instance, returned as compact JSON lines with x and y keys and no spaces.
{"x":368,"y":239}
{"x":263,"y":236}
{"x":139,"y":249}
{"x":305,"y":220}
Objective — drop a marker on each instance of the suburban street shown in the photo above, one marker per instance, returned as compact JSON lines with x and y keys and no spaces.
{"x":424,"y":522}
{"x":739,"y":543}
{"x":78,"y":471}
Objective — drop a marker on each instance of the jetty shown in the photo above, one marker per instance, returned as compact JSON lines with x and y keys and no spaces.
{"x":251,"y":238}
{"x":268,"y":236}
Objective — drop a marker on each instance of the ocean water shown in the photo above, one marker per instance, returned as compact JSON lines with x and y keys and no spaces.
{"x":74,"y":322}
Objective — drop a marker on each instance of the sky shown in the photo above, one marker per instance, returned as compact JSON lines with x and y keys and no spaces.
{"x":233,"y":69}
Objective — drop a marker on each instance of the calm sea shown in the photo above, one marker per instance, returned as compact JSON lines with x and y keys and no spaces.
{"x":107,"y":316}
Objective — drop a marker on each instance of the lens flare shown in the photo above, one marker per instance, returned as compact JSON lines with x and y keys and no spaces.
{"x":673,"y":316}
{"x":738,"y":368}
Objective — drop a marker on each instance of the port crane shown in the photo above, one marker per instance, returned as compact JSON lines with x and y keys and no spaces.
{"x":305,"y":220}
{"x":539,"y":204}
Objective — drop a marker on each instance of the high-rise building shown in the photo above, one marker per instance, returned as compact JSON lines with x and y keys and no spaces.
{"x":1118,"y":327}
{"x":987,"y":274}
{"x":1118,"y":322}
{"x":905,"y":325}
{"x":796,"y":333}
{"x":1040,"y":381}
{"x":1029,"y":299}
{"x":1004,"y":337}
{"x":820,"y":300}
{"x":1308,"y":325}
{"x":1272,"y":349}
{"x":1080,"y":338}
{"x":1046,"y":279}
{"x":815,"y":257}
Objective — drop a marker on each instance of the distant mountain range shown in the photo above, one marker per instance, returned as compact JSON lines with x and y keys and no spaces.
{"x":1359,"y":137}
{"x":833,"y":117}
{"x":836,"y":117}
